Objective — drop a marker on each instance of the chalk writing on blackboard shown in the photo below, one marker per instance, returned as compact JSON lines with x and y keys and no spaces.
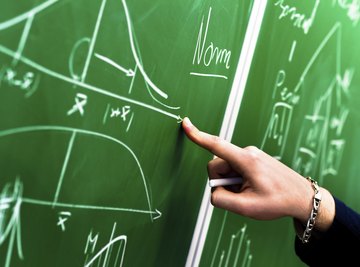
{"x":27,"y":82}
{"x":79,"y":106}
{"x":352,"y":9}
{"x":292,"y":51}
{"x":299,"y":19}
{"x":153,"y":213}
{"x":112,"y":254}
{"x":30,"y":80}
{"x":10,"y":221}
{"x":207,"y":54}
{"x":12,"y":199}
{"x":320,"y":142}
{"x":235,"y":252}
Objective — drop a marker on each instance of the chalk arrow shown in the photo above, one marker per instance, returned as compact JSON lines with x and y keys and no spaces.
{"x":158,"y":214}
{"x":128,"y":72}
{"x":179,"y":119}
{"x":38,"y":202}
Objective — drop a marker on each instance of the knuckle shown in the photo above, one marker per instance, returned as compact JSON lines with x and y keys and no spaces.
{"x":251,"y":148}
{"x":253,"y":153}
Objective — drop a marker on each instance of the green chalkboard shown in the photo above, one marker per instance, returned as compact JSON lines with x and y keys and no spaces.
{"x":95,"y":170}
{"x":301,"y":105}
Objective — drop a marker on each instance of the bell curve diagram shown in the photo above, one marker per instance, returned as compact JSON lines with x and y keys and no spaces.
{"x":154,"y":213}
{"x":15,"y":199}
{"x":17,"y":56}
{"x":80,"y":79}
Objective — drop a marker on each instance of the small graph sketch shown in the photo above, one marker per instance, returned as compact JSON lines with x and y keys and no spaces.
{"x":76,"y":77}
{"x":110,"y":255}
{"x":278,"y":129}
{"x":320,"y":139}
{"x":320,"y":143}
{"x":232,"y":250}
{"x":149,"y":210}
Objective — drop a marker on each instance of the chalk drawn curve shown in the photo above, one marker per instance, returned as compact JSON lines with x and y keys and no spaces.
{"x":41,"y":128}
{"x":136,"y":57}
{"x":122,"y":238}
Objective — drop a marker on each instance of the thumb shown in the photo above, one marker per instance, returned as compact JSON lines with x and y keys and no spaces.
{"x":212,"y":143}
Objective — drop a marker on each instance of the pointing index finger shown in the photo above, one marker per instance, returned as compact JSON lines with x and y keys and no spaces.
{"x":212,"y":143}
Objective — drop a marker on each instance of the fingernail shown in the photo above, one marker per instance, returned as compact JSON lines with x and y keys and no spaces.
{"x":187,"y":122}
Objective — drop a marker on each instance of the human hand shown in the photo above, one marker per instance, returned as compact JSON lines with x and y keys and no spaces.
{"x":270,"y":189}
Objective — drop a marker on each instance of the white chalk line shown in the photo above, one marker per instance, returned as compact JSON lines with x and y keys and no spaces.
{"x":93,"y":40}
{"x":119,"y":238}
{"x":13,"y":131}
{"x":209,"y":75}
{"x":23,"y":39}
{"x":62,"y":77}
{"x":146,"y":84}
{"x":128,"y":72}
{"x":86,"y":207}
{"x":228,"y":124}
{"x":9,"y":23}
{"x":336,"y":27}
{"x":138,"y":63}
{"x":64,"y":167}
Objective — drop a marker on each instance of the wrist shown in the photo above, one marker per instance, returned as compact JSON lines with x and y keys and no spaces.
{"x":326,"y":211}
{"x":324,"y":218}
{"x":304,"y":201}
{"x":314,"y":211}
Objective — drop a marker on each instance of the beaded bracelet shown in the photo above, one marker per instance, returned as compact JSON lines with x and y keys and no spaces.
{"x":316,"y":204}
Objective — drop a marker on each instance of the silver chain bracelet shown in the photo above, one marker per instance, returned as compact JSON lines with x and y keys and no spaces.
{"x":316,"y":204}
